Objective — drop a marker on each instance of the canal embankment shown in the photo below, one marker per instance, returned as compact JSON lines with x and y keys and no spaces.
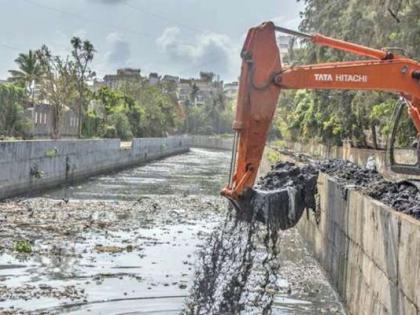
{"x":369,"y":250}
{"x":32,"y":166}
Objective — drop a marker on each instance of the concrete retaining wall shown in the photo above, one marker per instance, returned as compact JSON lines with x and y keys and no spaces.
{"x":27,"y":166}
{"x":370,"y":251}
{"x":212,"y":142}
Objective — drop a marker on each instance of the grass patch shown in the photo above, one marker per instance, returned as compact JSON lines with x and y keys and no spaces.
{"x":272,"y":156}
{"x":23,"y":246}
{"x":51,"y":153}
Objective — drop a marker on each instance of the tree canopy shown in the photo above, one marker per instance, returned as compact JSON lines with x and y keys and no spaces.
{"x":131,"y":109}
{"x":12,"y":121}
{"x":331,"y":116}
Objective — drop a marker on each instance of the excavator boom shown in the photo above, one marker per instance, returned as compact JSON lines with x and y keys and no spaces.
{"x":263,"y":77}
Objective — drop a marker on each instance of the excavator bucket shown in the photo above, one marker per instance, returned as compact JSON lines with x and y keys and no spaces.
{"x":280,"y":197}
{"x":280,"y":208}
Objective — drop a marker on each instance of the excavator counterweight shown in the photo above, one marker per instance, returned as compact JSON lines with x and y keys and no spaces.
{"x":261,"y":81}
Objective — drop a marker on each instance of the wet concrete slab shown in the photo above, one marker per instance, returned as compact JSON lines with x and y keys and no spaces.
{"x":128,"y":242}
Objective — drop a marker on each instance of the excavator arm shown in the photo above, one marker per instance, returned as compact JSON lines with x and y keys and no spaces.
{"x":263,"y":77}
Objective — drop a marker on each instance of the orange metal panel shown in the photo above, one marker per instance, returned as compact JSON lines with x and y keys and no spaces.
{"x":262,"y":78}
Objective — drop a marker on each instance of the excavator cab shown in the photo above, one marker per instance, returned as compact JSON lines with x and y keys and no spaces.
{"x":403,"y":145}
{"x":262,"y":79}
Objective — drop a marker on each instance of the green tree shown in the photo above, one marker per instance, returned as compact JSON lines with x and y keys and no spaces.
{"x":159,"y":112}
{"x":118,"y":126}
{"x":12,"y":120}
{"x":29,"y":73}
{"x":82,"y":53}
{"x":330,"y":116}
{"x":155,"y":112}
{"x":110,"y":116}
{"x":58,"y":85}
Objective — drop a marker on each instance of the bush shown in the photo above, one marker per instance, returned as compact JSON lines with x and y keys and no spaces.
{"x":23,"y":246}
{"x":122,"y":126}
{"x":92,"y":125}
{"x":110,"y":132}
{"x":12,"y":119}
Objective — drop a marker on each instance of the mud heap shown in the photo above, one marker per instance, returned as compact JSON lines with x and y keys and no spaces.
{"x":402,"y":196}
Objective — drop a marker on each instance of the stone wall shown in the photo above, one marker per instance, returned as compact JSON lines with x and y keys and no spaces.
{"x":370,"y":251}
{"x":28,"y":166}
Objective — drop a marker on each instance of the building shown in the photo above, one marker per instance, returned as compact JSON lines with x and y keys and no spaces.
{"x":231,"y":90}
{"x":199,"y":90}
{"x":207,"y":87}
{"x":170,"y":78}
{"x":97,"y":85}
{"x":126,"y":75}
{"x":184,"y":90}
{"x":41,"y":117}
{"x":154,"y":78}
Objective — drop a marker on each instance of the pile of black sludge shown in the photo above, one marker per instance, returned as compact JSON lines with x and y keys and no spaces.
{"x":403,"y":196}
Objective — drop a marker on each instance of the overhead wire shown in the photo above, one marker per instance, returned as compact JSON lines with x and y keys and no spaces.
{"x":116,"y":27}
{"x":108,"y":25}
{"x":10,"y":47}
{"x":165,"y":18}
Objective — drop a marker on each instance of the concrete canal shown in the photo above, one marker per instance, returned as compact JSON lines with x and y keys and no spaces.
{"x":126,"y":243}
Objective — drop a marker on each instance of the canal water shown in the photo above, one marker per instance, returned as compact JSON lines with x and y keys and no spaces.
{"x":126,"y":243}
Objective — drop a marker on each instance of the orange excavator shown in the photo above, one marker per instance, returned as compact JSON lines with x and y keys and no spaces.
{"x":263,"y":77}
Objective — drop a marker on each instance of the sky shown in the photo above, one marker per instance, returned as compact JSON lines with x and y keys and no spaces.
{"x":177,"y":37}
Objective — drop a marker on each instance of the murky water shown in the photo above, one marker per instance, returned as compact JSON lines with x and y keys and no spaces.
{"x":198,"y":172}
{"x":126,"y":243}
